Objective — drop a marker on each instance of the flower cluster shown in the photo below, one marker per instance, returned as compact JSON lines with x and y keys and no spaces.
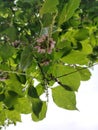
{"x":45,"y":44}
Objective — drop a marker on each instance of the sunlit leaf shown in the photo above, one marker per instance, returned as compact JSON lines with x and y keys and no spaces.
{"x":23,"y":105}
{"x":67,"y":75}
{"x":75,"y":57}
{"x":14,"y":85}
{"x":40,"y":89}
{"x":29,"y":29}
{"x":2,"y":117}
{"x":84,"y":73}
{"x":13,"y":115}
{"x":63,"y":98}
{"x":1,"y":106}
{"x":86,"y":47}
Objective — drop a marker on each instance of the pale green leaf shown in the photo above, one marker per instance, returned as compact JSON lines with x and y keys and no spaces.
{"x":68,"y":10}
{"x":23,"y":105}
{"x":75,"y":57}
{"x":63,"y":98}
{"x":86,"y":47}
{"x":1,"y":106}
{"x":67,"y":75}
{"x":40,"y":89}
{"x":13,"y":115}
{"x":49,"y":6}
{"x":2,"y":117}
{"x":84,"y":73}
{"x":14,"y":85}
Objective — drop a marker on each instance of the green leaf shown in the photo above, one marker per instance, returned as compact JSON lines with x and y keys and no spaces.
{"x":21,"y":78}
{"x":82,"y":34}
{"x":2,"y":96}
{"x":1,"y":106}
{"x":36,"y":106}
{"x":6,"y":51}
{"x":42,"y":113}
{"x":63,"y":98}
{"x":47,"y":20}
{"x":68,"y":10}
{"x":67,"y":75}
{"x":86,"y":47}
{"x":32,"y":92}
{"x":13,"y":115}
{"x":11,"y":32}
{"x":14,"y":85}
{"x":26,"y":58}
{"x":75,"y":57}
{"x":10,"y":100}
{"x":2,"y":117}
{"x":49,"y":6}
{"x":40,"y":89}
{"x":28,"y":1}
{"x":4,"y":67}
{"x":23,"y":105}
{"x":84,"y":73}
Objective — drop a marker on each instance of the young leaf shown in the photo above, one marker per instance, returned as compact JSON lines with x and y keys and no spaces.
{"x":49,"y":6}
{"x":63,"y":98}
{"x":68,"y":10}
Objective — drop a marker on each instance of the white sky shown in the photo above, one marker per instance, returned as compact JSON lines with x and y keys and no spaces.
{"x":59,"y":119}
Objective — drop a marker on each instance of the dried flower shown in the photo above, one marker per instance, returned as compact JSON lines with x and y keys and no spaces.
{"x":45,"y":44}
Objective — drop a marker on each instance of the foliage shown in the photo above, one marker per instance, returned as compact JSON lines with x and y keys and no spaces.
{"x":51,"y":41}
